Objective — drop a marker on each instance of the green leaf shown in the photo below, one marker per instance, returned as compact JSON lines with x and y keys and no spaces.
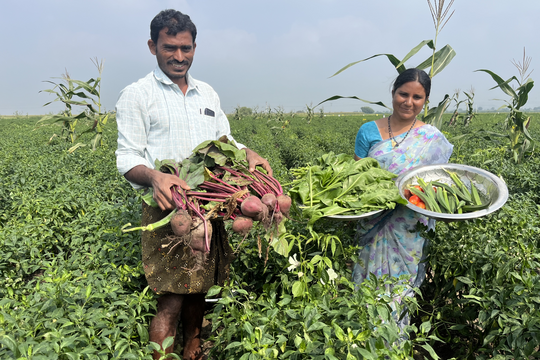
{"x":465,"y":280}
{"x":336,"y":97}
{"x":339,"y":332}
{"x":298,"y":289}
{"x":431,"y":352}
{"x":395,"y":61}
{"x":415,"y":50}
{"x":365,"y":353}
{"x":213,"y":291}
{"x":143,"y":333}
{"x":233,"y":344}
{"x":168,"y":342}
{"x":440,"y":60}
{"x":504,"y":85}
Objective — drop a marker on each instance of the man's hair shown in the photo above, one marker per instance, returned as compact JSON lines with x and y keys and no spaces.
{"x":174,"y":21}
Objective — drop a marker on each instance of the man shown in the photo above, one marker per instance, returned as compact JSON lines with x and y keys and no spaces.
{"x":165,"y":115}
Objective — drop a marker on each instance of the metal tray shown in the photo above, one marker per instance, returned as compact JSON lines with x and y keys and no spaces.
{"x":489,"y":187}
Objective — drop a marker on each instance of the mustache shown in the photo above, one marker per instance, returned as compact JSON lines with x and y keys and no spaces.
{"x":176,"y":62}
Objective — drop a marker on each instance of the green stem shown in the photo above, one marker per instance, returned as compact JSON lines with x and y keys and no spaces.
{"x":156,"y":225}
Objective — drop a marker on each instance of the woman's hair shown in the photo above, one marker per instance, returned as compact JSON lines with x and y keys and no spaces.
{"x":413,"y":74}
{"x":174,"y":21}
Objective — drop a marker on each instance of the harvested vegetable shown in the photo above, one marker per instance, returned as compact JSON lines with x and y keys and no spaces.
{"x":339,"y":185}
{"x":181,"y":223}
{"x":441,"y":197}
{"x":222,"y":186}
{"x":242,"y":225}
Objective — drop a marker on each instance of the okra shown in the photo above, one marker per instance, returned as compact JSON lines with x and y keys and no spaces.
{"x":452,"y":202}
{"x":430,"y":193}
{"x":471,"y":208}
{"x":466,"y":195}
{"x":441,"y":200}
{"x":475,"y":195}
{"x":443,"y":185}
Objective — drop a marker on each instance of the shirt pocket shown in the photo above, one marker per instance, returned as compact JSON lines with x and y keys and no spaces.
{"x":207,"y":122}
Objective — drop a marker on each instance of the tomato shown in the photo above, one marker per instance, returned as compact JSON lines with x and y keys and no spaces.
{"x":421,"y":205}
{"x":418,"y":187}
{"x":415,"y":200}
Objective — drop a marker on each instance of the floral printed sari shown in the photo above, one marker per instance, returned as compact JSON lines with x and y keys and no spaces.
{"x":390,"y":244}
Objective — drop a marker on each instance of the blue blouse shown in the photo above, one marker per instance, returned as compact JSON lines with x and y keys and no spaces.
{"x":367,"y":136}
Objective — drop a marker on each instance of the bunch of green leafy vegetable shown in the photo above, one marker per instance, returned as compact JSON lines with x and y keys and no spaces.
{"x":339,"y":185}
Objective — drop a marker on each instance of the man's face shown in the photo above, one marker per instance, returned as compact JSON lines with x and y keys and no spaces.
{"x":174,"y":54}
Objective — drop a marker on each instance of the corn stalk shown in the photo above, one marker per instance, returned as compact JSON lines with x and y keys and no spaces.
{"x":72,"y":93}
{"x":516,"y":123}
{"x":437,"y":61}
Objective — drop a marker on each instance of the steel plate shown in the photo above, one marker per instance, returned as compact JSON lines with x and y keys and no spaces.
{"x":489,"y":187}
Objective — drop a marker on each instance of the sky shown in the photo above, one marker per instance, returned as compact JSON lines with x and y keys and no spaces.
{"x":265,"y":54}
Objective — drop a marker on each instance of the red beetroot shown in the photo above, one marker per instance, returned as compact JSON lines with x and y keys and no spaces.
{"x":284,"y":203}
{"x":269,"y":200}
{"x":262,"y":215}
{"x":252,"y":207}
{"x":242,"y":225}
{"x":196,"y":238}
{"x":181,"y":223}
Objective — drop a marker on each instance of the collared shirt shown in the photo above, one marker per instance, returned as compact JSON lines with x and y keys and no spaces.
{"x":156,"y":121}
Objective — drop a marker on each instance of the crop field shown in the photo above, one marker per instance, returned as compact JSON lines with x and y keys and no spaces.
{"x":72,"y":284}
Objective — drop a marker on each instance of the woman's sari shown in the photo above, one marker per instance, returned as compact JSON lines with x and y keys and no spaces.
{"x":389,"y":243}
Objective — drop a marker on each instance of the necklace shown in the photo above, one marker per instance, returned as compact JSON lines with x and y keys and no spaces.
{"x":396,"y":143}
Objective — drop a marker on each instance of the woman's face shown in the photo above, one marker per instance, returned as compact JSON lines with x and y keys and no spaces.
{"x":408,"y":100}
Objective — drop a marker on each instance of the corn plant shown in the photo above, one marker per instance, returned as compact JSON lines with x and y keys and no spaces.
{"x":516,"y":123}
{"x":73,"y":92}
{"x":310,"y":112}
{"x":436,"y":62}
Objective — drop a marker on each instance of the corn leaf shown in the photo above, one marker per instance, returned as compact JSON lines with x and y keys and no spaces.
{"x":335,"y":97}
{"x":394,"y":60}
{"x":523,"y":92}
{"x":415,"y":50}
{"x":504,"y":85}
{"x":440,"y":60}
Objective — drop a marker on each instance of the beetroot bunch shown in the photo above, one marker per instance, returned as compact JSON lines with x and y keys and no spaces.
{"x":222,"y":186}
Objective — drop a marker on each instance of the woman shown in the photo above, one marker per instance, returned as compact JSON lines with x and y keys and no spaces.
{"x":390,"y":244}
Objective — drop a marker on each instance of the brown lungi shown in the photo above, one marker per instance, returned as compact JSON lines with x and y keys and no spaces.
{"x":179,"y":271}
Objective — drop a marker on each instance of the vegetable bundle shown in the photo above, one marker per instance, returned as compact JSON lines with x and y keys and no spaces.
{"x":339,"y":185}
{"x":441,"y":197}
{"x":222,"y":186}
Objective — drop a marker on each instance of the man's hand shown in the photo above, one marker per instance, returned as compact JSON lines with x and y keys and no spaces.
{"x":255,"y":159}
{"x":160,"y":182}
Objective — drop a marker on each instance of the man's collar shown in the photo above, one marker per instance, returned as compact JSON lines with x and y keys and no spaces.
{"x":164,"y":79}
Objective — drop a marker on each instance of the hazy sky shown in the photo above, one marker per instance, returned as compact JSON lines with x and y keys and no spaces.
{"x":264,"y":53}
